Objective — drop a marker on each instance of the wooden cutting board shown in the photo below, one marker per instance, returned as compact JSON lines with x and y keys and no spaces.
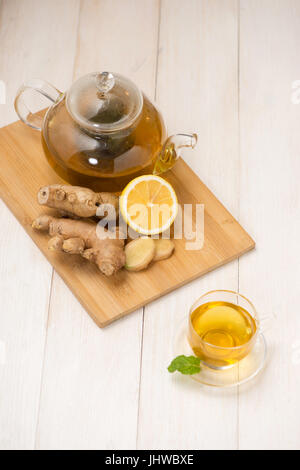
{"x":24,"y":169}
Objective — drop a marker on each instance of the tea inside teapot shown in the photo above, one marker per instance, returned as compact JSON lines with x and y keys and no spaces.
{"x":103,"y":132}
{"x":107,"y":153}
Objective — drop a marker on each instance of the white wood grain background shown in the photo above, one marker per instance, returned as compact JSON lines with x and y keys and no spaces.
{"x":222,"y":68}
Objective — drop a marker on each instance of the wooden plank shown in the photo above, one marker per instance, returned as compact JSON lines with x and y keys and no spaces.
{"x":91,"y":380}
{"x":30,"y":39}
{"x":197,"y":90}
{"x":270,"y":167}
{"x":119,"y":36}
{"x":25,"y":290}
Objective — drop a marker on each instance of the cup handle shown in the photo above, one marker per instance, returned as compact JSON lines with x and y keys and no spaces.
{"x":40,"y":86}
{"x":266,"y":323}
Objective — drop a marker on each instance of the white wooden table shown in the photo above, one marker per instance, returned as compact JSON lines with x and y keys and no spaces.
{"x":222,"y":68}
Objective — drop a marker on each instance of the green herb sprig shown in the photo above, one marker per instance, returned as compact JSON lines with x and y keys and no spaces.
{"x":187,"y":365}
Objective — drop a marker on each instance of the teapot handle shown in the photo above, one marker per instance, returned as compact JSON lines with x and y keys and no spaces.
{"x":34,"y":120}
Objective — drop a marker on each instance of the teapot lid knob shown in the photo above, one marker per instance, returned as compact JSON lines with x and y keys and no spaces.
{"x":105,"y":81}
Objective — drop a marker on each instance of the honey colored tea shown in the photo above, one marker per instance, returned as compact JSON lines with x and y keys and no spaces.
{"x":221,"y":332}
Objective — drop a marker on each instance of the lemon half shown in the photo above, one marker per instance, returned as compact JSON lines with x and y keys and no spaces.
{"x":149,"y":204}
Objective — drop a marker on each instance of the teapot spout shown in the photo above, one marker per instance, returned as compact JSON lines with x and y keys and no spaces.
{"x":171,"y":150}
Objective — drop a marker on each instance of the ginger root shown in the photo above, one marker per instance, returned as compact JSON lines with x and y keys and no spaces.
{"x":77,"y":201}
{"x":139,"y":253}
{"x":163,"y":248}
{"x":86,"y":238}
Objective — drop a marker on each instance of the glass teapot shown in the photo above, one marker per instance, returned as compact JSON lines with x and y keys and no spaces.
{"x":103,"y":132}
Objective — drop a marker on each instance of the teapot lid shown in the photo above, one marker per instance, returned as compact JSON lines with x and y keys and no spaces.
{"x":104,"y":102}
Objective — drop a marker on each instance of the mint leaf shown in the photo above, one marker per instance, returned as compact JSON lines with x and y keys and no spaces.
{"x":187,"y":365}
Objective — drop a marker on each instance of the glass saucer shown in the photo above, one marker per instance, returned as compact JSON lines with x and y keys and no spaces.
{"x":238,"y":374}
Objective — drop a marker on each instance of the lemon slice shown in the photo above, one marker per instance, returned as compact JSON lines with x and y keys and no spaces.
{"x":149,"y":204}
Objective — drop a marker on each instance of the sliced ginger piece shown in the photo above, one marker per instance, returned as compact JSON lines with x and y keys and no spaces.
{"x":163,"y":248}
{"x":139,"y":253}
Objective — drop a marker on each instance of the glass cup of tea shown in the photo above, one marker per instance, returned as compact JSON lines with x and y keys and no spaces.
{"x":223,"y":328}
